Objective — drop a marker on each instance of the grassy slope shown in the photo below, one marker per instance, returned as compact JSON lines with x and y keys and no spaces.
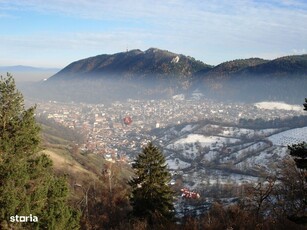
{"x":80,"y":169}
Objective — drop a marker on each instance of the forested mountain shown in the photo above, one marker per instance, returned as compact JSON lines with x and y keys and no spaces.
{"x":134,"y":63}
{"x":233,"y":67}
{"x":250,"y":80}
{"x":156,"y":62}
{"x":288,"y":65}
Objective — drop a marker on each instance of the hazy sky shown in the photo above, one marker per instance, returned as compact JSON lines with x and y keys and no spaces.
{"x":54,"y":33}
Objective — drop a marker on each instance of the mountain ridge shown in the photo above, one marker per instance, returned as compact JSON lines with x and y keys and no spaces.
{"x":153,"y":62}
{"x":157,"y":62}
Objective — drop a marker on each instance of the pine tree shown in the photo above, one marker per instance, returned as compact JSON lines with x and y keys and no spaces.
{"x":27,"y":183}
{"x":299,"y":154}
{"x":152,"y":198}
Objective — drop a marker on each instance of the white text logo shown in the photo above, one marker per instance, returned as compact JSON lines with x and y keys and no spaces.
{"x":24,"y":218}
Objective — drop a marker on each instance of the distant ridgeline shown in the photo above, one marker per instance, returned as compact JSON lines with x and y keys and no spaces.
{"x":156,"y":73}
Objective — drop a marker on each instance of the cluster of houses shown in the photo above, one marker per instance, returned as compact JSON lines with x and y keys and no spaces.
{"x":121,"y":129}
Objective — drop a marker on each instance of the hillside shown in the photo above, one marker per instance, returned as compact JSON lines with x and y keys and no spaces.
{"x":206,"y":152}
{"x":57,"y":143}
{"x":232,"y":67}
{"x":252,"y":80}
{"x":81,"y":169}
{"x":289,"y":65}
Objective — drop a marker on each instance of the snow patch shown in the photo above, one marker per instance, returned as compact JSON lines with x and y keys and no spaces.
{"x":204,"y":140}
{"x":175,"y":59}
{"x":277,"y":105}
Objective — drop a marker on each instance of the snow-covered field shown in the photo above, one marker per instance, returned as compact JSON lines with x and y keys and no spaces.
{"x":264,"y":159}
{"x":211,"y":154}
{"x":245,"y":151}
{"x":277,"y":105}
{"x":238,"y":132}
{"x":292,"y":136}
{"x":205,"y":140}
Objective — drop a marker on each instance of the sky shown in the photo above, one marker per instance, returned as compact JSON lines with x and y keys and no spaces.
{"x":55,"y":33}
